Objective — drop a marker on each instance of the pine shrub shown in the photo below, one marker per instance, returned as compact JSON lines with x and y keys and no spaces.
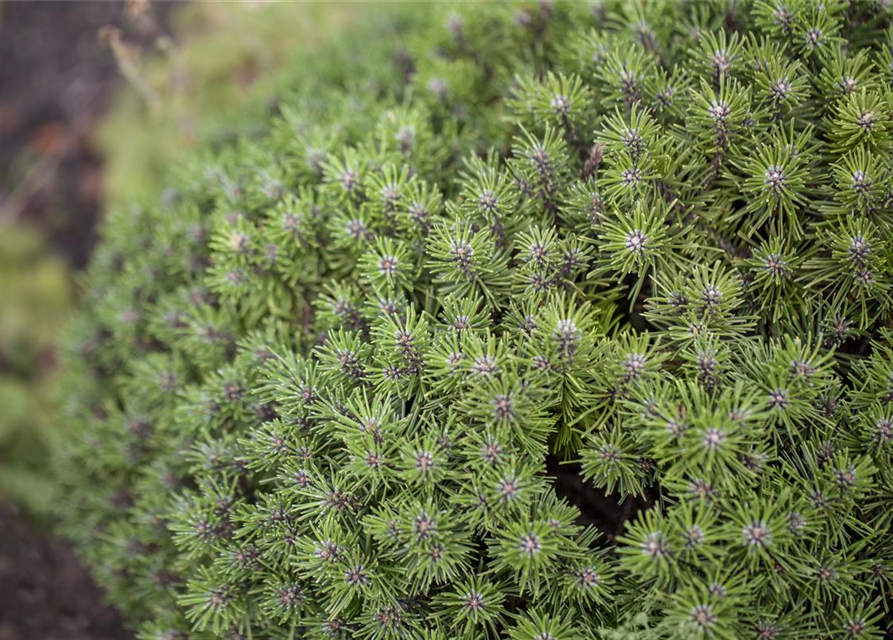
{"x":531,"y":321}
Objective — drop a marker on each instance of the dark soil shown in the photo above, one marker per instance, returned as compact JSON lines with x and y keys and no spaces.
{"x":608,"y":513}
{"x":53,"y":83}
{"x":45,"y":593}
{"x":57,"y":78}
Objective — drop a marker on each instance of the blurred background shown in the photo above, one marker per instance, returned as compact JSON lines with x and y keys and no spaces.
{"x":96,"y":99}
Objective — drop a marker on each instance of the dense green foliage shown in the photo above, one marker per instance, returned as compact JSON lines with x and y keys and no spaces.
{"x":315,"y":385}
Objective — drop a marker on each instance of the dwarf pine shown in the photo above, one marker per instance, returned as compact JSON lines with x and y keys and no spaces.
{"x":315,"y":388}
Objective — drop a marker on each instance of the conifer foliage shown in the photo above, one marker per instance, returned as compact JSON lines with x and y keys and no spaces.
{"x":314,"y":386}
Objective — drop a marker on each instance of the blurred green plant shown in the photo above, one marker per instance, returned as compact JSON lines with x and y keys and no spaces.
{"x":35,"y":297}
{"x":218,"y":50}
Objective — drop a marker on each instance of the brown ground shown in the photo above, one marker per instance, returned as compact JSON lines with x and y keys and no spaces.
{"x":45,"y":594}
{"x":57,"y":77}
